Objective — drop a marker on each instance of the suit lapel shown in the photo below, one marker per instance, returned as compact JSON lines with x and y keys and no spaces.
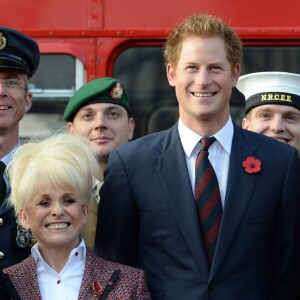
{"x":24,"y":278}
{"x":89,"y":277}
{"x":172,"y":171}
{"x":239,"y":190}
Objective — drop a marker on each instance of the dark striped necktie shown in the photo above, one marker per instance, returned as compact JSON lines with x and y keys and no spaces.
{"x":2,"y":182}
{"x":208,"y":199}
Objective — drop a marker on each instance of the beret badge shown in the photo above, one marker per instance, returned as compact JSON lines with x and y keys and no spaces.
{"x":116,"y":91}
{"x":2,"y":41}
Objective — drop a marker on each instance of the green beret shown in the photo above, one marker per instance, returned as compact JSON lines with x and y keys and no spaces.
{"x":103,"y":90}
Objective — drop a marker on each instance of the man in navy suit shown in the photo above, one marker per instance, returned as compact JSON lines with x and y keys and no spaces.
{"x":148,"y":216}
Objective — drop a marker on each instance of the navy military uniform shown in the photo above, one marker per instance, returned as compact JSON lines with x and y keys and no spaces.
{"x":10,"y":252}
{"x":17,"y":51}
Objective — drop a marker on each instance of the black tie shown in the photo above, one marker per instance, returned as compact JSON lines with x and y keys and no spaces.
{"x":2,"y":182}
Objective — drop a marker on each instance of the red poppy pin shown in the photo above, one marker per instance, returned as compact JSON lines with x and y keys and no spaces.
{"x":97,"y":288}
{"x":252,"y":165}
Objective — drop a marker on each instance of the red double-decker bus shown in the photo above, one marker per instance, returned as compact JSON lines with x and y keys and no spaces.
{"x":85,"y":39}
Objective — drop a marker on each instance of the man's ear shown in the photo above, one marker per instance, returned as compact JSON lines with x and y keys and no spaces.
{"x":28,"y":101}
{"x":245,"y":123}
{"x":171,"y":75}
{"x":70,"y":127}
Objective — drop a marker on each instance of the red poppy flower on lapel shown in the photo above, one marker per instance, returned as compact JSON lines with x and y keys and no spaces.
{"x":252,"y":165}
{"x":97,"y":288}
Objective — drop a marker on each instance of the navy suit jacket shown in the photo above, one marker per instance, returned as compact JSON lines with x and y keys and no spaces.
{"x":147,"y":218}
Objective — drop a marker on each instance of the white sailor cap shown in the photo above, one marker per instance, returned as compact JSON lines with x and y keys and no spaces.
{"x":270,"y":88}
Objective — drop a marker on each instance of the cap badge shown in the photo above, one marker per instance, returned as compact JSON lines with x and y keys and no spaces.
{"x":117,"y":91}
{"x":2,"y":41}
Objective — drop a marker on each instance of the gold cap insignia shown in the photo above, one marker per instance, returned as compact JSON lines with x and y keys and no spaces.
{"x":2,"y":41}
{"x":117,"y":91}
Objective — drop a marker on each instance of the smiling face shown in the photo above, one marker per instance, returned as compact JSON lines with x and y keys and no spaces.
{"x":14,"y":102}
{"x":280,"y":122}
{"x":105,"y":126}
{"x":203,"y":81}
{"x":55,"y":217}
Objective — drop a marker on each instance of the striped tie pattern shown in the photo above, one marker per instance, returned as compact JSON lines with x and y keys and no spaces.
{"x":208,"y":199}
{"x":2,"y":182}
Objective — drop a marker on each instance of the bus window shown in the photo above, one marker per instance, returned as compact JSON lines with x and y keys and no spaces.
{"x":152,"y":100}
{"x":55,"y":81}
{"x":142,"y":71}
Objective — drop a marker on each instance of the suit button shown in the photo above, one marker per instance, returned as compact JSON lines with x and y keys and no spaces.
{"x":1,"y":221}
{"x":211,"y":286}
{"x":1,"y":254}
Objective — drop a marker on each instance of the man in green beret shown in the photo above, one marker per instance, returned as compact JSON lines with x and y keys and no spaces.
{"x":99,"y":112}
{"x":272,"y":105}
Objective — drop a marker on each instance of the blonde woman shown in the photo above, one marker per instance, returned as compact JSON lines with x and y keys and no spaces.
{"x":52,"y":184}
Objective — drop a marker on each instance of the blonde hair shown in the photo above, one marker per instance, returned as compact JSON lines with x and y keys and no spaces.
{"x":63,"y":160}
{"x":203,"y":26}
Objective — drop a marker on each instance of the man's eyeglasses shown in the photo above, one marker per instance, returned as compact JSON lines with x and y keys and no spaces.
{"x":13,"y":83}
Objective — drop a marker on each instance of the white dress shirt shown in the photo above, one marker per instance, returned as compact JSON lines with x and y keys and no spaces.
{"x":219,"y":153}
{"x":64,"y":285}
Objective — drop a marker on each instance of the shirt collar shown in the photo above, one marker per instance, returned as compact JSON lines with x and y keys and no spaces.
{"x":78,"y":253}
{"x":190,"y":139}
{"x":8,"y":157}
